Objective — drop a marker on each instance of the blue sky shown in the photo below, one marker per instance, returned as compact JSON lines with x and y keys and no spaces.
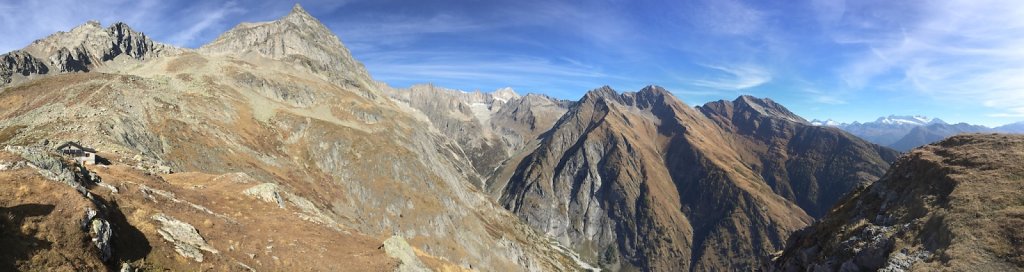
{"x":959,"y":60}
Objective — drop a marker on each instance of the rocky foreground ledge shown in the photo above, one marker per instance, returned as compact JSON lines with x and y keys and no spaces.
{"x":954,"y":205}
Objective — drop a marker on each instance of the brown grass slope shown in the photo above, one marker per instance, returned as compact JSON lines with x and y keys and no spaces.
{"x":955,"y":205}
{"x":39,"y":228}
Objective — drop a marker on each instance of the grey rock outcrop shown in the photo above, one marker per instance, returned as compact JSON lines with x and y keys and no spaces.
{"x":49,"y":165}
{"x":19,"y":63}
{"x":397,"y":248}
{"x":185,"y":237}
{"x":268,"y":192}
{"x":100,"y":231}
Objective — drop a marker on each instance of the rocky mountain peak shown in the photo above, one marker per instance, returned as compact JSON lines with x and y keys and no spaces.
{"x":297,"y":37}
{"x":765,"y":107}
{"x":654,"y":98}
{"x":505,"y":94}
{"x":82,"y":49}
{"x":599,"y":93}
{"x":301,"y":17}
{"x":298,"y":10}
{"x":653,"y":92}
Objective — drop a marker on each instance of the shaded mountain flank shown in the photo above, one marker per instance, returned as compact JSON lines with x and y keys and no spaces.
{"x":812,"y":165}
{"x":954,"y":205}
{"x":640,"y":180}
{"x":268,"y":149}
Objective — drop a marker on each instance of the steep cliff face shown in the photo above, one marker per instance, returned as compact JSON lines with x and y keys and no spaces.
{"x":84,"y":48}
{"x":640,"y":180}
{"x":19,"y":65}
{"x":98,"y":44}
{"x":813,"y":166}
{"x":358,"y":164}
{"x":953,"y":205}
{"x":296,"y":38}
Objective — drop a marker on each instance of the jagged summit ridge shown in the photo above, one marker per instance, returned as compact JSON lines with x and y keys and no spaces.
{"x":82,"y":49}
{"x":643,"y":98}
{"x":298,"y":38}
{"x":99,"y":44}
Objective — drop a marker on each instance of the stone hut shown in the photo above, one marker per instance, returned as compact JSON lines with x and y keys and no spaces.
{"x":83,"y":155}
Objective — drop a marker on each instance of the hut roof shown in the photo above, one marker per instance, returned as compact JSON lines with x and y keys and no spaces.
{"x":74,"y":144}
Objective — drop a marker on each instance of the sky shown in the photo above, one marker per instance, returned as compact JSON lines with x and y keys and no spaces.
{"x":958,"y":60}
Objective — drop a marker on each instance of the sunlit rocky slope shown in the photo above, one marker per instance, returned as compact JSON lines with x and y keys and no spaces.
{"x":270,"y":148}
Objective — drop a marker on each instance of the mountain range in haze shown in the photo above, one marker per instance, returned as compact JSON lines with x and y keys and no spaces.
{"x":272,"y":148}
{"x":906,"y":132}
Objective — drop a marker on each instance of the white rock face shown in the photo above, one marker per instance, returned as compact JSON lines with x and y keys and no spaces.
{"x":184,"y":236}
{"x":397,"y":248}
{"x":299,"y":38}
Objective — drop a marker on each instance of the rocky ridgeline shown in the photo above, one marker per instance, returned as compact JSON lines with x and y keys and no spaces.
{"x":82,"y":49}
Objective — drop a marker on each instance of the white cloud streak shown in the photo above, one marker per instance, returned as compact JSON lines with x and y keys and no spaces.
{"x":205,"y":18}
{"x":470,"y":71}
{"x":962,"y":51}
{"x":734,"y":77}
{"x":729,"y":17}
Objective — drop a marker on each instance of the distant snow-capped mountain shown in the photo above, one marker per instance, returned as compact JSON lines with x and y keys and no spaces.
{"x":922,"y":135}
{"x":916,"y":120}
{"x":826,"y":122}
{"x":1017,"y":127}
{"x":904,"y":132}
{"x":885,"y":130}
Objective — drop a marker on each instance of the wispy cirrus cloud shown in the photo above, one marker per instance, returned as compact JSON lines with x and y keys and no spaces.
{"x":205,"y":18}
{"x":461,"y":70}
{"x":966,"y":52}
{"x":727,"y":17}
{"x":733,"y":77}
